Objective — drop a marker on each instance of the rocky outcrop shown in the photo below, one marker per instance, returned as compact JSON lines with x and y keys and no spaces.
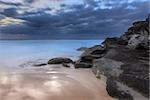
{"x":126,"y":65}
{"x":89,"y":54}
{"x":60,"y":60}
{"x":122,"y":59}
{"x":137,"y":35}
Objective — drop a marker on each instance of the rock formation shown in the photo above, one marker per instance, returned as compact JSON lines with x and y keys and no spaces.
{"x":123,"y":60}
{"x":60,"y":60}
{"x":87,"y":57}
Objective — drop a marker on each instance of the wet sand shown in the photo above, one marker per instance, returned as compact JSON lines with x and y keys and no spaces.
{"x":54,"y":84}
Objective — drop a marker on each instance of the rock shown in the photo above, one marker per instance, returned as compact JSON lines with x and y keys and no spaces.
{"x":141,"y":25}
{"x":95,"y":50}
{"x":126,"y":59}
{"x":107,"y":66}
{"x":86,"y":58}
{"x":122,"y":60}
{"x":82,"y":49}
{"x":89,"y":55}
{"x":65,"y":65}
{"x":138,"y":40}
{"x":39,"y":65}
{"x":110,"y":41}
{"x":134,"y":41}
{"x":83,"y":65}
{"x":114,"y":91}
{"x":132,"y":70}
{"x":137,"y":36}
{"x":60,"y":60}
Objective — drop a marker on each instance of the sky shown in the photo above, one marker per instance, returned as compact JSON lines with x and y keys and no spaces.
{"x":69,"y":19}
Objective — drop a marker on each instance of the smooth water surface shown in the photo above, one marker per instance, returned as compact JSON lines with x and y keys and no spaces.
{"x":13,"y":53}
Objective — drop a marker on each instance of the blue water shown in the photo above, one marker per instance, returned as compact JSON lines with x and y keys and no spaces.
{"x":15,"y":52}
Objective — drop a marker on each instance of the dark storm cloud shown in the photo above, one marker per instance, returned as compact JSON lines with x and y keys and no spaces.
{"x":88,"y":21}
{"x":10,"y":12}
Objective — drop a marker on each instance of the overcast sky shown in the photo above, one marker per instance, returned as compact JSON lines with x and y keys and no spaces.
{"x":69,"y":19}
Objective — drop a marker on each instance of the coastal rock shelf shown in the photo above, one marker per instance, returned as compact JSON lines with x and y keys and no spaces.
{"x":123,"y":60}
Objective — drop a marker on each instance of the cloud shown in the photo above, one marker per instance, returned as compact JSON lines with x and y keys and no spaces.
{"x":12,"y":2}
{"x":10,"y":21}
{"x":88,"y":19}
{"x":10,"y":12}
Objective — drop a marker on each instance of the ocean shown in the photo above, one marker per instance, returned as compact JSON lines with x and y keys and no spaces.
{"x":15,"y":54}
{"x":20,"y":80}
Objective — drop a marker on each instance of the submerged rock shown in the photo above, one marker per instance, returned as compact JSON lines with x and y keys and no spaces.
{"x":34,"y":63}
{"x":39,"y":65}
{"x":59,"y":60}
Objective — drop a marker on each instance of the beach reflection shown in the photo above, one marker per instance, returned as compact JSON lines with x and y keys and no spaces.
{"x":54,"y":85}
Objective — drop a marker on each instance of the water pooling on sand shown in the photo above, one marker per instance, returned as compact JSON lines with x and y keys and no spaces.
{"x":53,"y":84}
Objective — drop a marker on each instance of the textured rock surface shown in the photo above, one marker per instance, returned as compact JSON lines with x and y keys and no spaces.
{"x":83,"y":65}
{"x":60,"y":60}
{"x":114,"y":91}
{"x":127,"y":58}
{"x":137,"y":35}
{"x":123,"y":59}
{"x":89,"y":55}
{"x":128,"y":66}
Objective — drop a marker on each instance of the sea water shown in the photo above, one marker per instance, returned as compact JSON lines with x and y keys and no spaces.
{"x":14,"y":53}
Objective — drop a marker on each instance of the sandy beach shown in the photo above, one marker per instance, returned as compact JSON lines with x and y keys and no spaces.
{"x":54,"y":84}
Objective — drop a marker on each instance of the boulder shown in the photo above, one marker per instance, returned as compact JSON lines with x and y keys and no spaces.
{"x":60,"y":60}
